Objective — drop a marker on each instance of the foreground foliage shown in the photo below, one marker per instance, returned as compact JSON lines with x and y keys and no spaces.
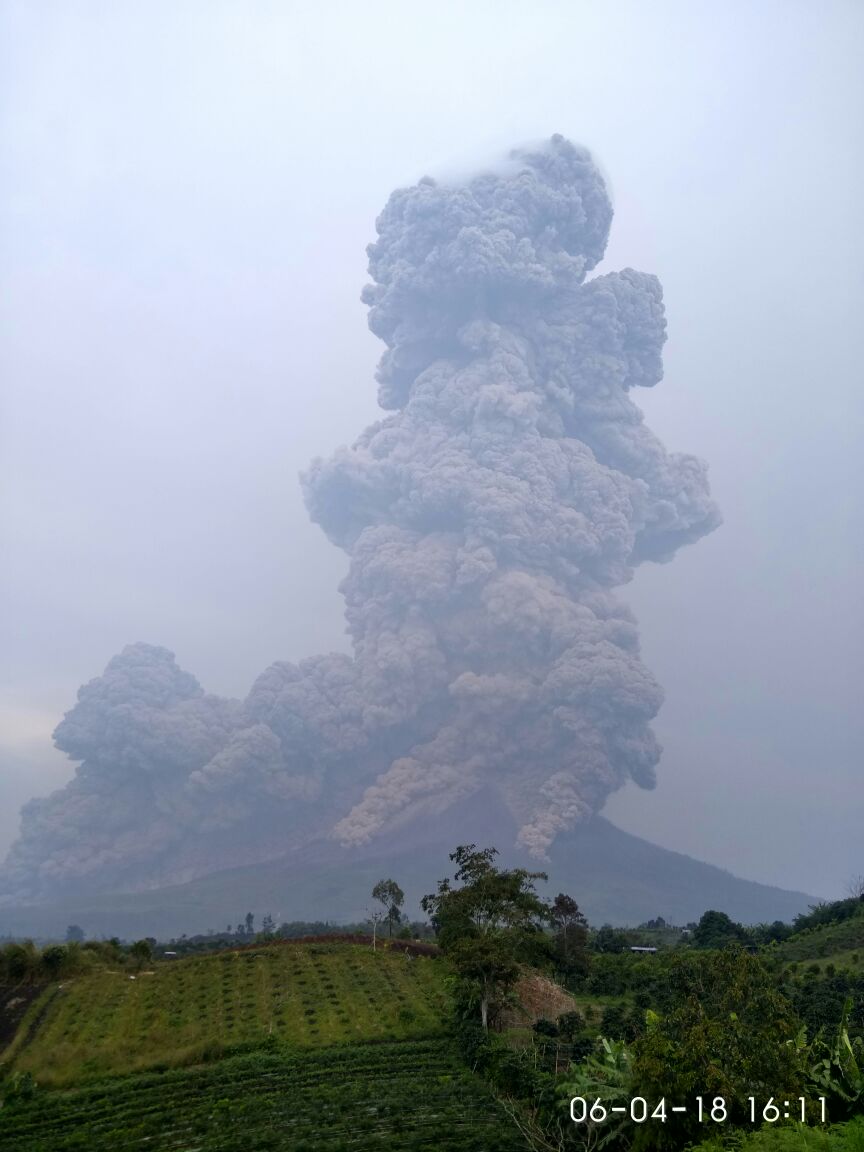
{"x":730,"y":1034}
{"x":409,"y":1095}
{"x":792,"y":1138}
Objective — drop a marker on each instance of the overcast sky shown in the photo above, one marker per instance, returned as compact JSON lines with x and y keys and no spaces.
{"x":186,"y":192}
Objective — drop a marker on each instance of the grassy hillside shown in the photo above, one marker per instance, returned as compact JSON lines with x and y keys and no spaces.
{"x":412,"y":1095}
{"x":833,"y":943}
{"x":305,"y":995}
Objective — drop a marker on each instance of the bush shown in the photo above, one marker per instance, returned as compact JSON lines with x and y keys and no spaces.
{"x":53,"y":960}
{"x":570,"y":1024}
{"x":726,"y":1036}
{"x":543,"y":1027}
{"x":613,"y":1024}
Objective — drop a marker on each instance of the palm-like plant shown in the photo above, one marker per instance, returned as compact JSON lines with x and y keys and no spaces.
{"x":835,"y":1066}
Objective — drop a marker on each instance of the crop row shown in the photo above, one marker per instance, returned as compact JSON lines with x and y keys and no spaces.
{"x":108,"y":1023}
{"x":409,"y":1095}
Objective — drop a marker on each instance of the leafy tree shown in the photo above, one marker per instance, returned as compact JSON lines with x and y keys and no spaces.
{"x":613,"y":1022}
{"x":777,"y":931}
{"x":142,"y":952}
{"x":20,"y":962}
{"x":391,"y":897}
{"x":250,"y":924}
{"x":544,"y":1027}
{"x":488,"y":926}
{"x":74,"y":933}
{"x":716,"y":930}
{"x":609,"y":940}
{"x":571,"y":934}
{"x":488,"y":970}
{"x":570,"y":1024}
{"x":491,"y":900}
{"x":727,"y":1035}
{"x":832,"y":913}
{"x":53,"y":960}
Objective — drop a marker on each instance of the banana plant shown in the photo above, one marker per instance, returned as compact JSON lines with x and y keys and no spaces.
{"x":605,"y":1076}
{"x":835,"y":1068}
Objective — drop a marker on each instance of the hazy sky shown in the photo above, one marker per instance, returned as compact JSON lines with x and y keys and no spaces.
{"x":186,"y":192}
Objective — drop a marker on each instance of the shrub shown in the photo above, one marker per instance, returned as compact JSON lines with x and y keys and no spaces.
{"x":570,"y":1023}
{"x":545,"y":1027}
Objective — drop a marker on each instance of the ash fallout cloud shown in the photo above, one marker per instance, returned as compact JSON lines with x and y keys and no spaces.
{"x":488,"y":517}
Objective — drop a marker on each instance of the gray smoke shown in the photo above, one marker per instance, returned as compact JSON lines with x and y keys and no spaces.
{"x":487,"y":518}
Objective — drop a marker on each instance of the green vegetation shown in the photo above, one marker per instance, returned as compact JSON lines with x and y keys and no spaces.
{"x":310,"y":995}
{"x":730,"y":1033}
{"x":357,"y":1042}
{"x":390,"y":896}
{"x":715,"y":1016}
{"x":488,"y":926}
{"x":411,"y":1095}
{"x":793,"y":1138}
{"x":832,"y":942}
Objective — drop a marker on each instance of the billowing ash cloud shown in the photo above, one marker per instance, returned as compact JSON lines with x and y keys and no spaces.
{"x":514,"y":486}
{"x":488,"y":518}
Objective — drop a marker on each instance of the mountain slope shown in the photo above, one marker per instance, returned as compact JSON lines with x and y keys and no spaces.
{"x":615,"y":877}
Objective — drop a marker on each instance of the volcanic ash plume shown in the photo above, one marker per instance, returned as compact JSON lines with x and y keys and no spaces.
{"x":515,"y":484}
{"x":488,"y":518}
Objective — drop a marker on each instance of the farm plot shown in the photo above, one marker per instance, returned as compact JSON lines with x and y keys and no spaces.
{"x":312,"y":995}
{"x":410,"y":1095}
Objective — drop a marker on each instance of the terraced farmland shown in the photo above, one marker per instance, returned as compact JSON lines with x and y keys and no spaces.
{"x":410,"y":1095}
{"x":308,"y":995}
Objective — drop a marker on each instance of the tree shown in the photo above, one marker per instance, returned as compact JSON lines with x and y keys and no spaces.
{"x":74,"y":933}
{"x":488,"y":926}
{"x":609,"y":940}
{"x":53,"y":960}
{"x":716,"y":930}
{"x":488,"y":969}
{"x":768,"y":933}
{"x":375,"y":916}
{"x":250,"y":924}
{"x":268,"y":925}
{"x":142,"y":951}
{"x":19,"y":963}
{"x":391,"y":897}
{"x":725,"y":1034}
{"x":571,"y":933}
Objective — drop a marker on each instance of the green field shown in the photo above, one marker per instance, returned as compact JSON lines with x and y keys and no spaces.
{"x":834,"y":943}
{"x":187,"y":1011}
{"x":410,"y":1095}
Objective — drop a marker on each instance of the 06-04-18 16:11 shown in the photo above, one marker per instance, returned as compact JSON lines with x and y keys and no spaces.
{"x":706,"y":1109}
